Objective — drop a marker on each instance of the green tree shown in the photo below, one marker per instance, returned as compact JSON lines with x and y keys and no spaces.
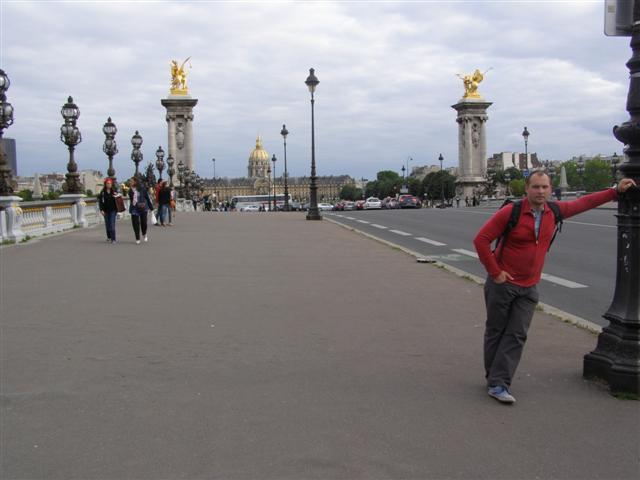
{"x":597,"y":175}
{"x":350,"y":192}
{"x":516,"y":187}
{"x":89,"y":193}
{"x":26,"y":195}
{"x":416,"y":187}
{"x":573,"y":179}
{"x":434,"y":183}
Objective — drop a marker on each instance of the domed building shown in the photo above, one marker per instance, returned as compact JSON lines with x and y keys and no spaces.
{"x":260,"y":181}
{"x":258,"y":161}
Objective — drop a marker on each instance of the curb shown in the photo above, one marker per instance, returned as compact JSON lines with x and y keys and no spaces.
{"x":561,"y":315}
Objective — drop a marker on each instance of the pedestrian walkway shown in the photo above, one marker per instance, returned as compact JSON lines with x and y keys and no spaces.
{"x":264,"y":346}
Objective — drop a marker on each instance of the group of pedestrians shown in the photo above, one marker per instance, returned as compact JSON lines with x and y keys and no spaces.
{"x":140,"y":204}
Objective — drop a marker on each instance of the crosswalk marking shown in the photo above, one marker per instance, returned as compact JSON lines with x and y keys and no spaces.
{"x":431,"y":242}
{"x":400,"y":232}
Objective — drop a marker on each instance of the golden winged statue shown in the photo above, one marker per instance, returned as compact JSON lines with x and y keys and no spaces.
{"x":471,"y":82}
{"x":179,"y":78}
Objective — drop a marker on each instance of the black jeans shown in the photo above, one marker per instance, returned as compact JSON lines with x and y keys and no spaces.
{"x":509,"y":312}
{"x":139,"y":222}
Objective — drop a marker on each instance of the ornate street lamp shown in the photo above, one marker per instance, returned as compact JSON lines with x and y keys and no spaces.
{"x":136,"y":153}
{"x":403,"y":170}
{"x":273,"y":160}
{"x":160,"y":161}
{"x":525,"y":135}
{"x":110,"y":148}
{"x":616,"y":359}
{"x":181,"y":177}
{"x":214,"y":169}
{"x":507,"y":178}
{"x":614,"y":167}
{"x":269,"y":187}
{"x":284,"y":132}
{"x":441,"y":158}
{"x":313,"y":213}
{"x":6,"y":120}
{"x":70,"y":136}
{"x":171,"y":171}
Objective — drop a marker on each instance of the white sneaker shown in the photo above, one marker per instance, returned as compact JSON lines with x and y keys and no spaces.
{"x":146,"y":239}
{"x":137,"y":242}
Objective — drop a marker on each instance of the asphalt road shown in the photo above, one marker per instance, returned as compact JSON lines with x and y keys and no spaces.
{"x":579,"y":270}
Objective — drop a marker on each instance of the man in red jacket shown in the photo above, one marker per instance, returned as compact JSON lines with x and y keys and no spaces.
{"x":515,"y":268}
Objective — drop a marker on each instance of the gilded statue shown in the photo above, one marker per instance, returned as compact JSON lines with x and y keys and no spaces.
{"x":179,"y":77}
{"x":471,"y":83}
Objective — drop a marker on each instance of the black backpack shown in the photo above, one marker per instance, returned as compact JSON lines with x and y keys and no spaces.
{"x":515,"y":216}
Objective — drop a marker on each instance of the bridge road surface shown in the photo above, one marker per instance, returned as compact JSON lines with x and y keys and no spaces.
{"x":264,"y":346}
{"x":580,"y":269}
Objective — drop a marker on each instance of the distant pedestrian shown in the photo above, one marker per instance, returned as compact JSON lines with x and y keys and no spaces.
{"x":140,"y":205}
{"x":172,"y":205}
{"x":108,"y":209}
{"x":514,"y":269}
{"x":164,"y":201}
{"x":457,"y":202}
{"x":466,"y":200}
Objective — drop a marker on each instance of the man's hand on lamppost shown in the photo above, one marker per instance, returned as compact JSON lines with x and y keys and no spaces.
{"x":625,"y":184}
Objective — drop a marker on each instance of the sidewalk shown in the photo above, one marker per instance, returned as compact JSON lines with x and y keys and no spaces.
{"x":265,"y":346}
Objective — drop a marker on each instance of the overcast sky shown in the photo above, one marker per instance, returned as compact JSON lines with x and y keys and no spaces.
{"x":387,"y":74}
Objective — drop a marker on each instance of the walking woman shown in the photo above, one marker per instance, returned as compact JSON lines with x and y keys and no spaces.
{"x":139,"y":206}
{"x":108,"y":209}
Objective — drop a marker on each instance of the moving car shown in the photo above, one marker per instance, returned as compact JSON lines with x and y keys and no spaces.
{"x":325,"y":207}
{"x":408,"y":201}
{"x":373,"y":203}
{"x":250,"y":208}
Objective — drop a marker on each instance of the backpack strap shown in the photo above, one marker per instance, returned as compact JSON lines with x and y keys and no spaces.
{"x":513,"y":221}
{"x":558,"y":220}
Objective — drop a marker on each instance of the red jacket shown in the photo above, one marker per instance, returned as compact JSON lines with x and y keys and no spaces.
{"x":522,"y":256}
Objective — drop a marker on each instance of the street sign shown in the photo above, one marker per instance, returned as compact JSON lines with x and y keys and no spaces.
{"x":618,"y":18}
{"x":525,"y":173}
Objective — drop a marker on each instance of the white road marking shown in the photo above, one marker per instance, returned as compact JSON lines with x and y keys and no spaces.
{"x":590,"y":224}
{"x":549,"y":278}
{"x":349,"y":218}
{"x":432,"y":242}
{"x":363,"y":221}
{"x":341,"y":216}
{"x":400,"y":232}
{"x":562,"y":281}
{"x":465,"y":252}
{"x":382,"y":227}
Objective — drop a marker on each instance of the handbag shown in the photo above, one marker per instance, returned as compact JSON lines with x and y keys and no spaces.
{"x":141,"y":206}
{"x":120,"y":204}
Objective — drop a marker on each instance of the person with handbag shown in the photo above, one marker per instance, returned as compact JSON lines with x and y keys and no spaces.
{"x":140,"y":205}
{"x":164,"y":200}
{"x":108,"y":209}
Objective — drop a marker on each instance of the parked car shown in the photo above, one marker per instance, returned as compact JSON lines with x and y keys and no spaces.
{"x":408,"y":201}
{"x":348,"y":205}
{"x":250,"y":208}
{"x":372,"y":203}
{"x":339,"y":206}
{"x":360,"y":205}
{"x":390,"y":203}
{"x":323,"y":207}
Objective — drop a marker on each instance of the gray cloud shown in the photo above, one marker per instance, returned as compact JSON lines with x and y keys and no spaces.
{"x":387,"y":73}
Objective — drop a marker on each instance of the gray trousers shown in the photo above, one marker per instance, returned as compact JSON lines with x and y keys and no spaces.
{"x":509,"y":312}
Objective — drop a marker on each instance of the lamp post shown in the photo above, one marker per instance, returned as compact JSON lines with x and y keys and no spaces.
{"x":284,"y":132}
{"x":110,"y":148}
{"x":170,"y":170}
{"x":136,"y":153}
{"x":214,"y":169}
{"x":403,"y":170}
{"x":441,"y":158}
{"x":160,"y":161}
{"x":616,"y":359}
{"x":313,"y":213}
{"x":6,"y":120}
{"x":507,"y":177}
{"x":269,"y":188}
{"x":525,"y":135}
{"x":181,"y":177}
{"x":614,"y":166}
{"x":273,"y":160}
{"x":70,"y":136}
{"x":580,"y":170}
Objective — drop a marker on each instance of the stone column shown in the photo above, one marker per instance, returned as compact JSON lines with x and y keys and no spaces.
{"x":78,"y":210}
{"x":180,"y":128}
{"x":12,"y":225}
{"x":472,"y":145}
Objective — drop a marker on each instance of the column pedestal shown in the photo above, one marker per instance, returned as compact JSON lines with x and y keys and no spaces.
{"x":11,"y":222}
{"x":180,"y":129}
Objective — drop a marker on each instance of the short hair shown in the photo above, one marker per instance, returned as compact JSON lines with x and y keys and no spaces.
{"x":538,"y":172}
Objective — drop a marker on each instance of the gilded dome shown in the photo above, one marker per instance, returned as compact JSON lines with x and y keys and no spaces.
{"x":259,"y":154}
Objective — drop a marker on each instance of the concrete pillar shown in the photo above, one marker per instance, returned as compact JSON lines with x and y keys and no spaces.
{"x":180,"y":129}
{"x":78,"y":210}
{"x":12,"y":224}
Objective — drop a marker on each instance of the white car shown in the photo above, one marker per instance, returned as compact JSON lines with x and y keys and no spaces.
{"x":325,"y":207}
{"x":250,"y":208}
{"x":372,"y":203}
